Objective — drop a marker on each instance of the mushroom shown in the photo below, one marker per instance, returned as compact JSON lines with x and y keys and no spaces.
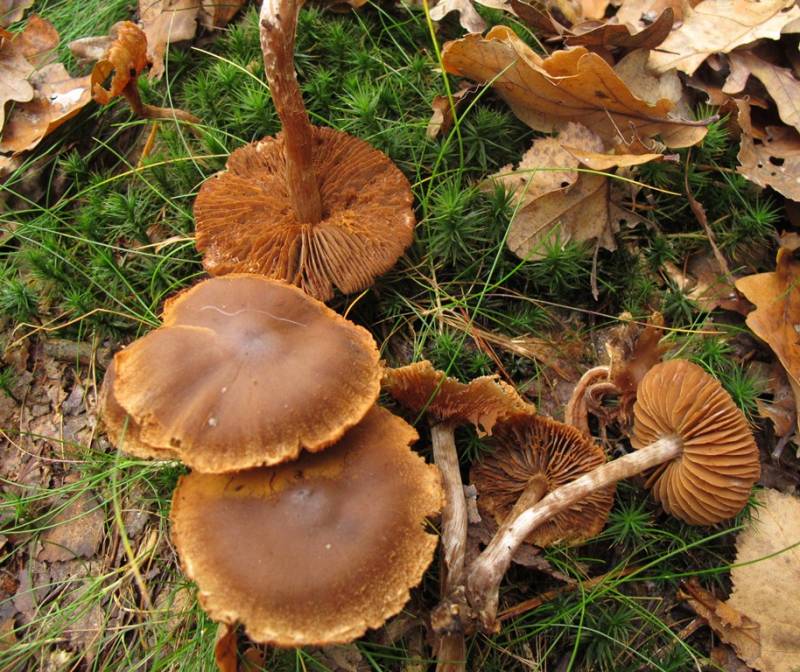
{"x":313,"y":206}
{"x":688,"y":432}
{"x":449,"y":403}
{"x":315,"y":551}
{"x":244,"y":372}
{"x":534,"y":456}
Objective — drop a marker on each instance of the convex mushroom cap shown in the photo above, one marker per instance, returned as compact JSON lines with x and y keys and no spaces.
{"x":710,"y":481}
{"x":318,"y":550}
{"x":537,"y":455}
{"x":482,"y":402}
{"x":244,"y":372}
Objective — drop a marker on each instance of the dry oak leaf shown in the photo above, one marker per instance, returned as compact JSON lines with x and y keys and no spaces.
{"x":556,"y":203}
{"x":731,"y":626}
{"x":776,"y":318}
{"x":168,"y":21}
{"x":569,"y":85}
{"x":468,"y":16}
{"x":781,"y":83}
{"x":612,"y":33}
{"x":76,"y":531}
{"x":766,"y":580}
{"x":57,"y":98}
{"x":770,"y":158}
{"x":719,"y":26}
{"x":11,"y":11}
{"x":642,"y":13}
{"x":20,"y":54}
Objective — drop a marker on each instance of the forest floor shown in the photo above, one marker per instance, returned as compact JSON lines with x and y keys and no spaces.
{"x":98,"y":230}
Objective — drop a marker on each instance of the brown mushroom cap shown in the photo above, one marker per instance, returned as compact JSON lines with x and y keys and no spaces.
{"x":246,"y":372}
{"x":246,"y":223}
{"x":122,"y":431}
{"x":711,"y":480}
{"x":531,"y":447}
{"x":318,"y":550}
{"x":482,"y":402}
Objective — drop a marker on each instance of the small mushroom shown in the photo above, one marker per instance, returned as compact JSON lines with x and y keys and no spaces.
{"x":315,"y":551}
{"x":687,"y":430}
{"x":313,"y":206}
{"x":449,"y":403}
{"x":244,"y":372}
{"x":534,"y":456}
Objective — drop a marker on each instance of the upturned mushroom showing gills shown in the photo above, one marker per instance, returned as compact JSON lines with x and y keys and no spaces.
{"x":532,"y":457}
{"x":448,"y":403}
{"x":694,"y":445}
{"x":313,"y":206}
{"x":244,"y":372}
{"x":318,"y":550}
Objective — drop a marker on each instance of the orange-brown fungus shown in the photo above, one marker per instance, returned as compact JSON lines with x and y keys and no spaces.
{"x":318,"y":550}
{"x":711,"y":480}
{"x":482,"y":402}
{"x":122,"y":431}
{"x":246,"y":222}
{"x":530,"y":449}
{"x":245,"y":372}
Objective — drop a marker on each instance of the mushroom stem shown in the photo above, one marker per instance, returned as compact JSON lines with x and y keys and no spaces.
{"x":450,"y":647}
{"x":577,"y":412}
{"x":278,"y":25}
{"x":487,"y":571}
{"x":454,"y":514}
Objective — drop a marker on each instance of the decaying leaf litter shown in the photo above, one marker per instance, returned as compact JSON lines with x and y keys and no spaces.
{"x":635,"y":110}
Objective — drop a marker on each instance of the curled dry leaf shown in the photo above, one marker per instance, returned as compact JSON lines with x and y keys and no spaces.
{"x":442,"y":117}
{"x":57,"y":98}
{"x":611,"y":34}
{"x":770,"y":158}
{"x":719,"y":26}
{"x":20,"y":54}
{"x":731,"y":626}
{"x":766,"y":581}
{"x":776,"y":318}
{"x":781,"y":83}
{"x":468,"y":16}
{"x":781,"y":410}
{"x":225,"y":648}
{"x":557,"y":203}
{"x":11,"y":11}
{"x":571,"y":85}
{"x":168,"y":21}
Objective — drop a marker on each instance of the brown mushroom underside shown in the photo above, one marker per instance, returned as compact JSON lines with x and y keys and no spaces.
{"x":482,"y":402}
{"x":246,"y":372}
{"x":712,"y":479}
{"x":535,"y":447}
{"x":318,"y":550}
{"x":246,"y":222}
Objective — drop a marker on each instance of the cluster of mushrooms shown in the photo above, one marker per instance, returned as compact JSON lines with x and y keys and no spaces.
{"x":304,"y":514}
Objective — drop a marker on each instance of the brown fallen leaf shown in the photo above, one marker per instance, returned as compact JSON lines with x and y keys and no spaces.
{"x":571,"y":85}
{"x":225,"y":648}
{"x":21,"y":54}
{"x":468,"y":16}
{"x":442,"y":118}
{"x":611,"y":34}
{"x":719,"y":26}
{"x":557,"y":204}
{"x":770,"y":158}
{"x":781,"y":411}
{"x":57,"y":98}
{"x":11,"y":11}
{"x":776,"y":318}
{"x":725,"y":659}
{"x":76,"y":531}
{"x":641,"y":13}
{"x":766,"y":581}
{"x":732,"y":627}
{"x":168,"y":21}
{"x":781,"y":83}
